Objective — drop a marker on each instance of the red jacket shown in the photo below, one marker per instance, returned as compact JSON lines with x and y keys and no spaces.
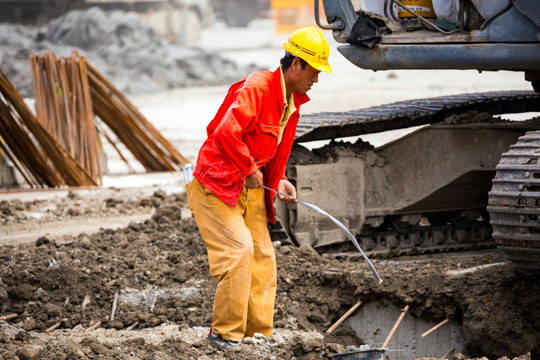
{"x":243,"y":137}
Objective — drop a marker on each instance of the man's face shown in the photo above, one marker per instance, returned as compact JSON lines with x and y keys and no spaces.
{"x":301,"y":80}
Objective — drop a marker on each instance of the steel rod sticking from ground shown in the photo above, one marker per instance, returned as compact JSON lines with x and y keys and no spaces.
{"x":435,"y":328}
{"x":344,"y":317}
{"x":392,"y":332}
{"x":8,"y":317}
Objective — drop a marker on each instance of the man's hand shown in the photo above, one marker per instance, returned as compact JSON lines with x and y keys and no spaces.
{"x":254,"y":180}
{"x":286,"y":188}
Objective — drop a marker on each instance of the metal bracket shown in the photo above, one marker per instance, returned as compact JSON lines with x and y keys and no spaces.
{"x":336,"y":25}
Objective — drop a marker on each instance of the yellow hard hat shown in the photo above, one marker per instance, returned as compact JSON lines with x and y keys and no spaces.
{"x":308,"y":43}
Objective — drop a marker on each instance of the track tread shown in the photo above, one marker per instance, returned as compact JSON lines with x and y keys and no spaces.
{"x":513,"y":204}
{"x":404,"y":114}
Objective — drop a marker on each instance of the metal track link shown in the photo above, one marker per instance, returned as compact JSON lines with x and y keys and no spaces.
{"x":514,"y":203}
{"x":421,"y":240}
{"x":404,"y":114}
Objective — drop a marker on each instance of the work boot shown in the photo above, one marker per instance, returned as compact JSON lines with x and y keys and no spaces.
{"x":221,"y":343}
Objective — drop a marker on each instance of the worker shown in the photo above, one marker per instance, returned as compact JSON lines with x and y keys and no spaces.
{"x":248,"y":145}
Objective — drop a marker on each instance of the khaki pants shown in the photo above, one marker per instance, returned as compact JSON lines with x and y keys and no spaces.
{"x":241,"y":259}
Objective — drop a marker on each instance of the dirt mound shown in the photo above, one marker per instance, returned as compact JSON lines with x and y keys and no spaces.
{"x":159,"y":271}
{"x":125,"y":49}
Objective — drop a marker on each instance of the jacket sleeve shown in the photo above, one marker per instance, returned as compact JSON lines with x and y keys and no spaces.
{"x":241,"y":115}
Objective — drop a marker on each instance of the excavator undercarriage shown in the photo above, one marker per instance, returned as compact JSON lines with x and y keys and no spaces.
{"x":424,"y":192}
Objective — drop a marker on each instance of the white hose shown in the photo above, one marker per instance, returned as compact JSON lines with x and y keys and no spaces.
{"x":340,"y":225}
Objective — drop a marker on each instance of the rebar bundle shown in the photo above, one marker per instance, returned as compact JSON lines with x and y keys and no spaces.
{"x":144,"y":141}
{"x":60,"y":146}
{"x":64,"y":107}
{"x":40,"y":159}
{"x":68,"y":93}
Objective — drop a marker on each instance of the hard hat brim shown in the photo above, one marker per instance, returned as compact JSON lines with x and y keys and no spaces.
{"x":324,"y":68}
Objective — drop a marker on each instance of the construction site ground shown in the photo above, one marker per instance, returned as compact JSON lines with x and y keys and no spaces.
{"x":65,"y":255}
{"x":158,"y":267}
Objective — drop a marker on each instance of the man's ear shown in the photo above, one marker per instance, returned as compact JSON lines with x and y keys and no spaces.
{"x":296,"y":62}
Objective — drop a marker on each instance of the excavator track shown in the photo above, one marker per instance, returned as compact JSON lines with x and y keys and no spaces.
{"x":514,"y":203}
{"x":405,"y":114}
{"x":420,"y":240}
{"x":389,"y":241}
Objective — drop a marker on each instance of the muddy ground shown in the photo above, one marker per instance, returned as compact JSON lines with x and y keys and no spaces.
{"x":159,"y":269}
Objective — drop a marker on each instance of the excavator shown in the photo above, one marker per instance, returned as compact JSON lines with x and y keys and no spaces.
{"x":462,"y":177}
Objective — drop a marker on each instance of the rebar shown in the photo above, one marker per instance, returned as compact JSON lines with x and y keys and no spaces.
{"x":42,"y":161}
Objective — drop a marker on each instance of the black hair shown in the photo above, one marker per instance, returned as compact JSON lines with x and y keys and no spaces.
{"x":287,"y":59}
